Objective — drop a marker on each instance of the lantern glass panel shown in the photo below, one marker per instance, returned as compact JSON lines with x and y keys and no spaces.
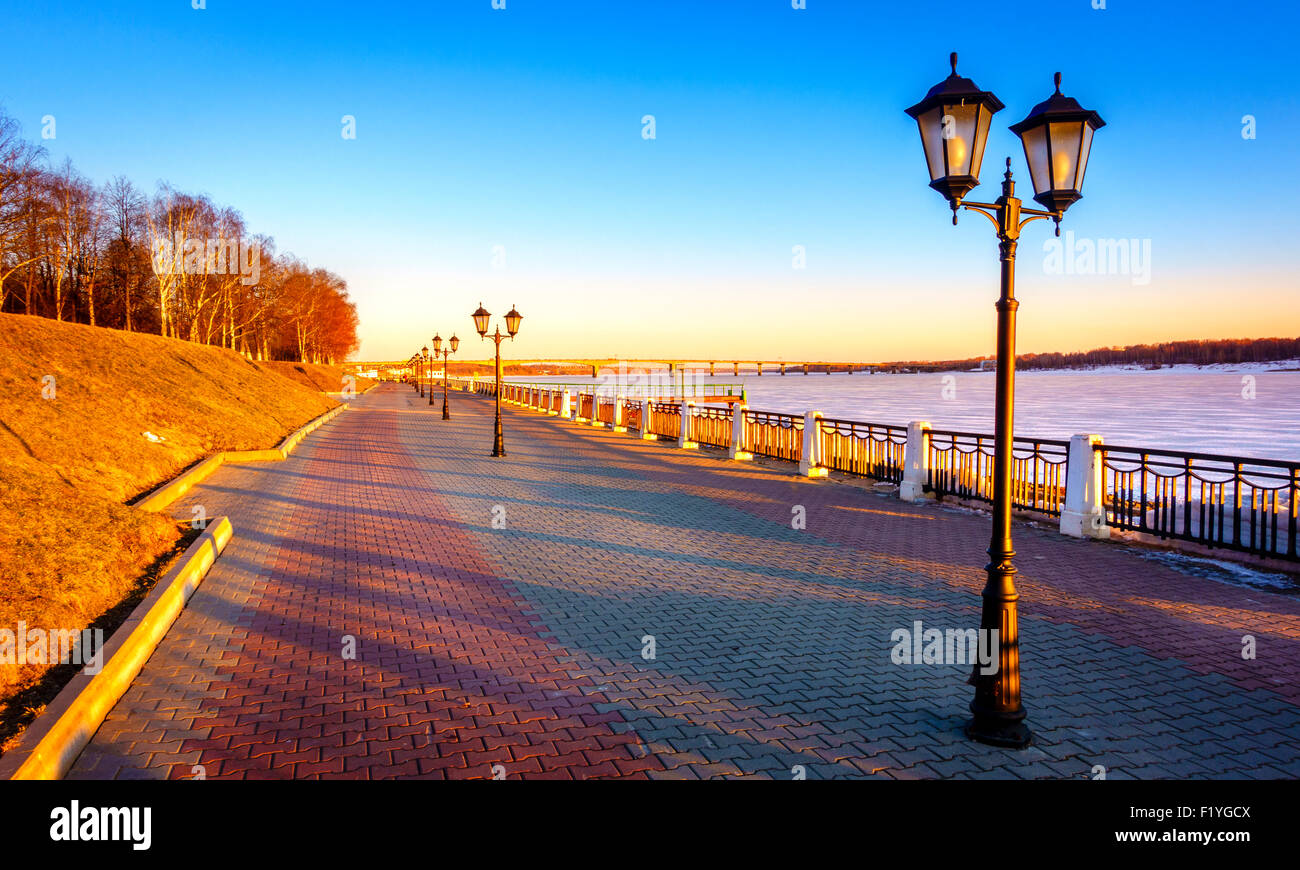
{"x":931,"y":126}
{"x":455,"y":343}
{"x":1066,"y":136}
{"x":959,"y":137}
{"x":1035,"y":142}
{"x":1083,"y":155}
{"x":981,"y":138}
{"x":437,"y":344}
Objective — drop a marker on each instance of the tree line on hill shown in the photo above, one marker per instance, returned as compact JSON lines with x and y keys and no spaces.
{"x":171,"y":263}
{"x":1192,"y":352}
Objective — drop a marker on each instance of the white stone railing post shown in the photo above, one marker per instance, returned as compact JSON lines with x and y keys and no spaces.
{"x":566,"y":405}
{"x":646,"y":434}
{"x":916,"y":462}
{"x":620,"y":421}
{"x":1084,"y":514}
{"x":737,"y":449}
{"x":684,"y":436}
{"x":595,"y":409}
{"x":811,"y":456}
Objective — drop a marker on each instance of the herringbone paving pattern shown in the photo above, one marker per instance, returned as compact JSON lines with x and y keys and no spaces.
{"x":397,"y":603}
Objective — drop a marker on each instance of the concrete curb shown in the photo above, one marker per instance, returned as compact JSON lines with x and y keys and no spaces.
{"x":164,"y":495}
{"x":52,"y":743}
{"x":287,"y":446}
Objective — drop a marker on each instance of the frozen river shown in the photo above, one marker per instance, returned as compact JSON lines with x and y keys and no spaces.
{"x":1208,"y":411}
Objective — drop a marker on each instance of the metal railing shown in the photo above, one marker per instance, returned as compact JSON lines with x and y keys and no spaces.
{"x":632,"y":414}
{"x":961,"y":464}
{"x":665,"y":419}
{"x":1220,"y":501}
{"x":1230,"y":502}
{"x":779,"y":436}
{"x":605,"y":410}
{"x":869,"y":449}
{"x":711,"y":426}
{"x":653,"y":390}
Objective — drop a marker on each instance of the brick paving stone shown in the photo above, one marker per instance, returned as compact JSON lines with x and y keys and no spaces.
{"x":372,"y":618}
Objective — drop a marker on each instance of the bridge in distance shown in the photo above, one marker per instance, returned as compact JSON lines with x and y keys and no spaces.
{"x":732,"y":367}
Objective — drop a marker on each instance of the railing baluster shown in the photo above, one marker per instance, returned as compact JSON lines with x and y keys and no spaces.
{"x":1236,"y":504}
{"x":1291,"y":501}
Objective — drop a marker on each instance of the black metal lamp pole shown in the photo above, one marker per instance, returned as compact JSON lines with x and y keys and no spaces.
{"x":437,"y":343}
{"x":446,"y":354}
{"x":481,"y":317}
{"x":453,"y":344}
{"x":999,"y":716}
{"x":445,"y":414}
{"x":425,"y":372}
{"x":498,"y":437}
{"x":954,"y":121}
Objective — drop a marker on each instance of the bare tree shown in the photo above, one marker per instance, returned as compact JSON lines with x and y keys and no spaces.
{"x":20,"y":171}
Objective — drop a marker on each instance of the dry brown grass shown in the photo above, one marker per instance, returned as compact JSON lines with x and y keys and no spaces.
{"x":327,"y":379}
{"x":71,"y":550}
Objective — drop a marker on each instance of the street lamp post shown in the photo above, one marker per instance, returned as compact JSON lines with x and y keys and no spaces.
{"x":481,"y":317}
{"x":437,"y":343}
{"x":424,"y":360}
{"x":954,"y":121}
{"x":453,"y":343}
{"x":415,"y":370}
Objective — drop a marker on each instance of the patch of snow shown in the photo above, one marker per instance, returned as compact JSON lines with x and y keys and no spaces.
{"x":1232,"y":573}
{"x":157,"y":439}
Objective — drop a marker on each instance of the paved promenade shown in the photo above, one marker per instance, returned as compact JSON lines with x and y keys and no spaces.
{"x":497,"y":612}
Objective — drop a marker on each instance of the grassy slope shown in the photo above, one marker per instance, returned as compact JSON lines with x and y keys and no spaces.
{"x":70,"y":549}
{"x":327,"y":379}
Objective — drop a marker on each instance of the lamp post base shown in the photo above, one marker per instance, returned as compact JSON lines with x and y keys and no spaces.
{"x":445,"y":414}
{"x":1001,"y":731}
{"x":499,"y":441}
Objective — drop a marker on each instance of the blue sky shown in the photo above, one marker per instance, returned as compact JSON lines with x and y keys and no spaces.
{"x":775,"y":127}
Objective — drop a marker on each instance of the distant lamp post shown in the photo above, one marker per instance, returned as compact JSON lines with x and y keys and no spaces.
{"x":414,"y":363}
{"x":481,"y":318}
{"x":954,"y":123}
{"x":437,"y":347}
{"x":452,"y":344}
{"x":424,"y":359}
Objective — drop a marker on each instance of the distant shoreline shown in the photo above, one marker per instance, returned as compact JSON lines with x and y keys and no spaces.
{"x":1273,"y":366}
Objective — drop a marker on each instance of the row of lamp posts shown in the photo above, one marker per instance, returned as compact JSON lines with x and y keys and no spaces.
{"x":420,"y":363}
{"x":954,"y":120}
